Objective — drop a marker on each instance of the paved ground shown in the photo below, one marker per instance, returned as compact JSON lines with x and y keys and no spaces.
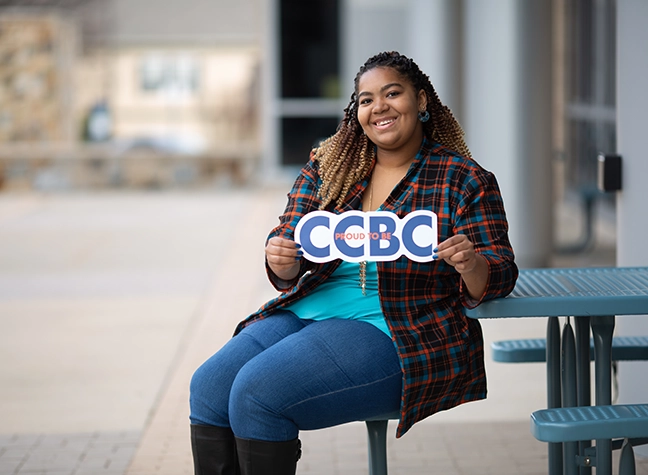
{"x":109,"y":301}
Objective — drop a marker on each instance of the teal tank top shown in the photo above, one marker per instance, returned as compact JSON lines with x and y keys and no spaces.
{"x":340,"y":296}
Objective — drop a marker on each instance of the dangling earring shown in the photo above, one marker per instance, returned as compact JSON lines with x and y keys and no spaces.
{"x":423,"y":116}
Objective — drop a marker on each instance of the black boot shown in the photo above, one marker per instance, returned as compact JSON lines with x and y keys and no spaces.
{"x":214,"y":450}
{"x":257,"y":457}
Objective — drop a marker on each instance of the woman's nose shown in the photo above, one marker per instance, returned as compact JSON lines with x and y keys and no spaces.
{"x":379,"y":105}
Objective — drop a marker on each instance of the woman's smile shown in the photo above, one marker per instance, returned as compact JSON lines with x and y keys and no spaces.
{"x":383,"y":124}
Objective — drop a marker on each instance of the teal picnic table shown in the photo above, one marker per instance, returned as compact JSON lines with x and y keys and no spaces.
{"x":592,"y":298}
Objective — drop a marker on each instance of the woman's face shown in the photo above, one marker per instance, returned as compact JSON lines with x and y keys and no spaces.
{"x":388,"y":109}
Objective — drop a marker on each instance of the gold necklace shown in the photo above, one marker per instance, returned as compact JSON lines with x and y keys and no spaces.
{"x":363,"y":265}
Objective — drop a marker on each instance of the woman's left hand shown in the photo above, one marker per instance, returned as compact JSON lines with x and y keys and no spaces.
{"x":459,"y":252}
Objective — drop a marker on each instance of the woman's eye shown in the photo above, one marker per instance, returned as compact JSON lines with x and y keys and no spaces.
{"x":365,"y":101}
{"x":392,"y":93}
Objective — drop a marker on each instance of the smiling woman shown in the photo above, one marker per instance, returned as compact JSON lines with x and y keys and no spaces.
{"x":359,"y":340}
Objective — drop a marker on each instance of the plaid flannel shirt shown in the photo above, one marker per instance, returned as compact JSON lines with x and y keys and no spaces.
{"x":440,"y":349}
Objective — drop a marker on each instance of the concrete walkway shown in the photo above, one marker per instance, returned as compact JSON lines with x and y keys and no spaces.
{"x":109,"y":301}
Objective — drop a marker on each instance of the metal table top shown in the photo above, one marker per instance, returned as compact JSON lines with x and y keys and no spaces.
{"x":595,"y":291}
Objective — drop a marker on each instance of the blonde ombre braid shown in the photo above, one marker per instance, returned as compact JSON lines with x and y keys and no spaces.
{"x":346,"y":157}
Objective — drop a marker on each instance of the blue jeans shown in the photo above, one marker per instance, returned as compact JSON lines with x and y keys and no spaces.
{"x":282,"y":374}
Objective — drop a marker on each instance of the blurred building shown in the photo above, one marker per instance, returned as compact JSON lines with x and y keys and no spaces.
{"x":147,"y":93}
{"x":128,"y":93}
{"x":186,"y":74}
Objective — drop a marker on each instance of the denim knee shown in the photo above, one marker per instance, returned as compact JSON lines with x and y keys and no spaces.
{"x":255,"y":406}
{"x":208,"y":397}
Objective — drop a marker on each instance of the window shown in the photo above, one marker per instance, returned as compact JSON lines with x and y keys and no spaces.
{"x":169,"y":74}
{"x":591,"y":86}
{"x":309,"y":71}
{"x":300,"y":135}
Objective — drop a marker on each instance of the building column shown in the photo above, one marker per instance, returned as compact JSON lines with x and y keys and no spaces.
{"x":508,"y":98}
{"x":369,"y":27}
{"x":434,"y":42}
{"x":632,"y":201}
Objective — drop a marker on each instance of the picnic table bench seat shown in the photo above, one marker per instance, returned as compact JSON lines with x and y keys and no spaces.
{"x":583,"y":423}
{"x":624,"y":348}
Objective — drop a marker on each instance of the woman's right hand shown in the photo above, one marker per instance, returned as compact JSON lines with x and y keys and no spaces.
{"x":283,"y":257}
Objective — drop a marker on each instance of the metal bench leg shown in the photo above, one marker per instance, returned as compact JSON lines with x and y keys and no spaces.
{"x":377,"y":436}
{"x":627,"y":460}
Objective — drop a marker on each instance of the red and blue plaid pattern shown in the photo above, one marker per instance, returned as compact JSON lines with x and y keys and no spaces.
{"x":441,"y":350}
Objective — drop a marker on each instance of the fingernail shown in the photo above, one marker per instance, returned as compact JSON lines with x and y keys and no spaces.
{"x":435,"y":257}
{"x":436,"y":249}
{"x":300,"y":253}
{"x":298,"y":246}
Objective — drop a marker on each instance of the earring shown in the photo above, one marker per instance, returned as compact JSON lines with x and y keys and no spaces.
{"x":423,"y":116}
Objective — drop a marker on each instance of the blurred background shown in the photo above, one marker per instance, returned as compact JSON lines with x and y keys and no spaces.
{"x":146,"y":148}
{"x":119,"y":94}
{"x":107,"y":94}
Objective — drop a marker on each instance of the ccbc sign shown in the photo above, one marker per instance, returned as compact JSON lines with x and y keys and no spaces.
{"x":373,"y":236}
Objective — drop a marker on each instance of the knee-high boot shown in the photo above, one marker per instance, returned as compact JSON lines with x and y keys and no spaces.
{"x":258,"y":457}
{"x":214,"y":450}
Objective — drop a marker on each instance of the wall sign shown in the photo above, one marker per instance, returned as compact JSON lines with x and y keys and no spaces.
{"x":373,"y":236}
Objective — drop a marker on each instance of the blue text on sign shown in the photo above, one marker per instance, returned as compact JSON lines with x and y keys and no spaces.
{"x":373,"y":236}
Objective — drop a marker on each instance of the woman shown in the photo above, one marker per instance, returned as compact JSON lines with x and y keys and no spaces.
{"x":347,"y":341}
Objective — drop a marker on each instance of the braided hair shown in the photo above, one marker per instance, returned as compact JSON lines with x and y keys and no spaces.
{"x":347,"y":156}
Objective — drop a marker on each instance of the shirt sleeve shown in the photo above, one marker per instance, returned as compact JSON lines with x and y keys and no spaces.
{"x":481,"y":216}
{"x":302,"y":198}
